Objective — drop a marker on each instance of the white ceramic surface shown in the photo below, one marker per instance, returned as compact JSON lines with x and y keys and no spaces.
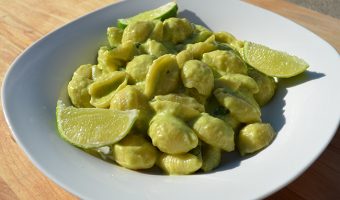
{"x":305,"y":110}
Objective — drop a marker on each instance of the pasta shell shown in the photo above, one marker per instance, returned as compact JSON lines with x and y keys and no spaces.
{"x":96,"y":72}
{"x":237,"y":82}
{"x":230,"y":120}
{"x":196,"y":74}
{"x":224,"y":62}
{"x":138,"y":67}
{"x":103,"y":89}
{"x":267,"y":86}
{"x":214,"y":131}
{"x":162,"y":77}
{"x":180,"y":164}
{"x":211,"y":157}
{"x":177,"y":30}
{"x":198,"y":49}
{"x":134,"y":152}
{"x":114,"y":36}
{"x":182,"y":99}
{"x":181,"y":106}
{"x":171,"y":135}
{"x":224,"y":37}
{"x":109,"y":60}
{"x":200,"y":34}
{"x":154,"y":48}
{"x":77,"y":87}
{"x":192,"y":92}
{"x":130,"y":98}
{"x":242,"y":106}
{"x":137,"y":32}
{"x":157,"y":32}
{"x":183,"y":57}
{"x":254,"y":137}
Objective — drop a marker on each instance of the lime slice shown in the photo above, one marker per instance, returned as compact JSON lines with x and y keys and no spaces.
{"x":166,"y":11}
{"x":93,"y":127}
{"x":272,"y":62}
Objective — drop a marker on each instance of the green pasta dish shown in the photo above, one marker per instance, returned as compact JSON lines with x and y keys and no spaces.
{"x":170,"y":93}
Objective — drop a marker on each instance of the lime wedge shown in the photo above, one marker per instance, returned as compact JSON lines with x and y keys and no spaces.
{"x":272,"y":62}
{"x":93,"y":127}
{"x":166,"y":11}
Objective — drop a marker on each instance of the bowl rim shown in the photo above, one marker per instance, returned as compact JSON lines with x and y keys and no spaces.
{"x":64,"y":185}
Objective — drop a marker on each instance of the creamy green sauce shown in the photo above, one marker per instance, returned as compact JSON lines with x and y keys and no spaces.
{"x":192,"y":88}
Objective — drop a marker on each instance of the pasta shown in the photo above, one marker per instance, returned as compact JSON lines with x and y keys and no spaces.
{"x":196,"y":74}
{"x":215,"y":132}
{"x":77,"y":87}
{"x":224,"y":62}
{"x":103,"y":89}
{"x":134,"y":152}
{"x":171,"y":135}
{"x":181,"y":106}
{"x":195,"y":95}
{"x":254,"y":137}
{"x":211,"y":157}
{"x":162,"y":76}
{"x":138,"y":67}
{"x":180,"y":164}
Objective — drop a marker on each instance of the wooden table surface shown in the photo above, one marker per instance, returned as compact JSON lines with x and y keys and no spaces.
{"x":25,"y":21}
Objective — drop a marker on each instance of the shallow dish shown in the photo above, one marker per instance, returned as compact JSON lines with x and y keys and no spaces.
{"x":305,"y":111}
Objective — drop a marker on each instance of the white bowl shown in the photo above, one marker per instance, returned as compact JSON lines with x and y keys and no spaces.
{"x":305,"y":111}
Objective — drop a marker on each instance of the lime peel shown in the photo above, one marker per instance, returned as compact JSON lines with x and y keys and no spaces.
{"x":166,"y":11}
{"x":272,"y":62}
{"x":93,"y":127}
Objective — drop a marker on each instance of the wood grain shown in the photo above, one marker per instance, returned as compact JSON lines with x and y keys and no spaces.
{"x":24,"y":21}
{"x":325,"y":26}
{"x":322,"y":179}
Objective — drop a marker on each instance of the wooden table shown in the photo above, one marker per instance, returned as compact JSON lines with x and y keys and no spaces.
{"x":25,"y":21}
